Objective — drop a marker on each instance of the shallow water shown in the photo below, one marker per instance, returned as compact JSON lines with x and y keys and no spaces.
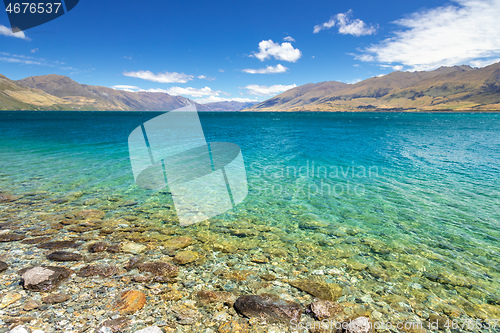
{"x":416,"y":195}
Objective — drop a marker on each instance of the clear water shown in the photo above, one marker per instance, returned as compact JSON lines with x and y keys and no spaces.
{"x":424,"y":186}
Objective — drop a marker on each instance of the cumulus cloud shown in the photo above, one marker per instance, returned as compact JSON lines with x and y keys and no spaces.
{"x":346,"y":25}
{"x":289,"y":39}
{"x":126,"y":87}
{"x":257,"y":90}
{"x":466,"y":32}
{"x":4,"y":31}
{"x":166,"y":77}
{"x":268,"y":70}
{"x":284,"y":51}
{"x":212,"y":99}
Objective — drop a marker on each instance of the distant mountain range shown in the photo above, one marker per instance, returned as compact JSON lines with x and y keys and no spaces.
{"x":56,"y":92}
{"x":447,"y":88}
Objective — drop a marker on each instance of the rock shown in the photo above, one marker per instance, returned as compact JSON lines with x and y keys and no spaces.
{"x":90,"y":214}
{"x":19,"y":329}
{"x":115,"y":325}
{"x":11,"y":237}
{"x":234,"y":326}
{"x":103,"y":270}
{"x":31,"y":305}
{"x":97,"y":247}
{"x":59,"y":245}
{"x":133,"y":262}
{"x":159,"y":268}
{"x":207,"y":297}
{"x":273,"y":310}
{"x":36,"y":240}
{"x":3,"y":266}
{"x":185,"y":257}
{"x":64,"y":256}
{"x":186,"y":315}
{"x":8,"y":299}
{"x":55,"y":298}
{"x":150,"y":329}
{"x":319,"y":289}
{"x":358,"y":325}
{"x":44,"y":278}
{"x":436,"y":320}
{"x":4,"y":197}
{"x":115,"y":248}
{"x":133,"y":248}
{"x":260,"y":259}
{"x":177,"y":243}
{"x":172,"y":295}
{"x":325,"y":309}
{"x":130,"y":301}
{"x":268,"y":277}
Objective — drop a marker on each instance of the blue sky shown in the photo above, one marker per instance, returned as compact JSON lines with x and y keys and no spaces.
{"x":249,"y":50}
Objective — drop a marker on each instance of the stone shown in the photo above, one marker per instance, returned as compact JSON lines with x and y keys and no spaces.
{"x":11,"y":237}
{"x":55,"y":298}
{"x":319,"y":288}
{"x":59,"y":245}
{"x":44,"y":278}
{"x":133,"y":262}
{"x":97,"y":247}
{"x":185,"y":257}
{"x":90,"y":214}
{"x":115,"y":325}
{"x":177,"y":243}
{"x":133,"y":248}
{"x":4,"y":197}
{"x":130,"y":301}
{"x":207,"y":297}
{"x":36,"y":240}
{"x":103,"y":270}
{"x":159,"y":268}
{"x":31,"y":305}
{"x":270,"y":309}
{"x":234,"y":326}
{"x":150,"y":329}
{"x":3,"y":266}
{"x":19,"y":329}
{"x":325,"y":309}
{"x":268,"y":277}
{"x":64,"y":256}
{"x":436,"y":320}
{"x":186,"y":315}
{"x":8,"y":299}
{"x":358,"y":325}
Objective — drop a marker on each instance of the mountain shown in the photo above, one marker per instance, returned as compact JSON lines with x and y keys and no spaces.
{"x":228,"y":106}
{"x":446,"y":88}
{"x":75,"y":96}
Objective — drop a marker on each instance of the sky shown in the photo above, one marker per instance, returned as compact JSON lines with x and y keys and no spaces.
{"x":212,"y":51}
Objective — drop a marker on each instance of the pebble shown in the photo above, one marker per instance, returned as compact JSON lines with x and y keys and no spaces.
{"x":273,"y":310}
{"x":115,"y":325}
{"x":64,"y":256}
{"x":3,"y":266}
{"x":90,"y":214}
{"x":55,"y":298}
{"x":59,"y":245}
{"x":319,"y":289}
{"x":31,"y":305}
{"x":43,"y":278}
{"x":159,"y":268}
{"x":185,"y":257}
{"x":325,"y":309}
{"x":133,"y":248}
{"x":177,"y":243}
{"x":19,"y":329}
{"x":103,"y":270}
{"x":130,"y":301}
{"x":97,"y":247}
{"x":11,"y":237}
{"x":8,"y":299}
{"x":150,"y":329}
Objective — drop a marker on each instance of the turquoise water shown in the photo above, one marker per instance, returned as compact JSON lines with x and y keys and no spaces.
{"x":423,"y":189}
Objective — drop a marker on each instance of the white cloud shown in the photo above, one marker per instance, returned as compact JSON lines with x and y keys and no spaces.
{"x":166,"y":77}
{"x":268,"y":70}
{"x":126,"y":88}
{"x":257,"y":90}
{"x":346,"y":25}
{"x":34,"y":50}
{"x":4,"y":31}
{"x":289,"y":39}
{"x":269,"y":49}
{"x":193,"y":92}
{"x":221,"y":71}
{"x":466,"y":32}
{"x":212,"y":99}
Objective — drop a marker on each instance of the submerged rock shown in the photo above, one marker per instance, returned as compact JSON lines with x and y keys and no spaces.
{"x":325,"y":309}
{"x":43,"y":278}
{"x":319,"y":288}
{"x":185,"y":257}
{"x":159,"y":268}
{"x":130,"y":301}
{"x":272,"y":310}
{"x":133,"y":248}
{"x":55,"y":298}
{"x":103,"y":270}
{"x":90,"y":214}
{"x":150,"y":329}
{"x":11,"y":237}
{"x":4,"y":197}
{"x":59,"y":245}
{"x":358,"y":325}
{"x":36,"y":240}
{"x":3,"y":266}
{"x":133,"y":262}
{"x":97,"y":247}
{"x":64,"y":256}
{"x":177,"y":243}
{"x":8,"y":299}
{"x":31,"y":305}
